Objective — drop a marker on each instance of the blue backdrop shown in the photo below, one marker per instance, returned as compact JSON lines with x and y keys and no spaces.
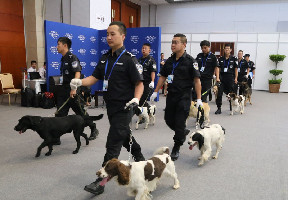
{"x":89,"y":44}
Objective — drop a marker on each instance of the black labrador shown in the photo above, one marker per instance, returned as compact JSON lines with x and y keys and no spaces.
{"x":50,"y":129}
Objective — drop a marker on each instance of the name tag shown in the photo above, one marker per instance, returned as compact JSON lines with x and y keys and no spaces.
{"x":202,"y":69}
{"x":225,"y":69}
{"x":105,"y":85}
{"x":170,"y":78}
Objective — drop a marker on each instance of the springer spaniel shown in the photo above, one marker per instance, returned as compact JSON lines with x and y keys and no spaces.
{"x":142,"y":177}
{"x":146,"y":113}
{"x":237,"y":103}
{"x":205,"y":139}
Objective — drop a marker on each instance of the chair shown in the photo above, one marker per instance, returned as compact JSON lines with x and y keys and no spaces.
{"x":8,"y":86}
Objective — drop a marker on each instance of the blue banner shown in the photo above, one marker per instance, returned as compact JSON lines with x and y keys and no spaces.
{"x":90,"y":44}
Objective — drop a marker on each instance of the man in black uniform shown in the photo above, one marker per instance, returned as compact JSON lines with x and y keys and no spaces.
{"x":252,"y":69}
{"x":207,"y":63}
{"x":243,"y":70}
{"x":228,"y":75}
{"x":181,"y":70}
{"x":70,"y":68}
{"x":122,"y":77}
{"x":149,"y":68}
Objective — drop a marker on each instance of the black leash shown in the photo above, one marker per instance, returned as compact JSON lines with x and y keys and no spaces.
{"x":151,"y":90}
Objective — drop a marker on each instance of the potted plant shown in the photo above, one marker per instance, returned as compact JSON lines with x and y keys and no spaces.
{"x":274,"y":84}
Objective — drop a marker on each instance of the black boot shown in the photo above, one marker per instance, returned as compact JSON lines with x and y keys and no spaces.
{"x":94,"y":132}
{"x":95,"y":187}
{"x":175,"y":152}
{"x":218,"y":111}
{"x":186,"y":131}
{"x":210,"y":95}
{"x":138,"y":157}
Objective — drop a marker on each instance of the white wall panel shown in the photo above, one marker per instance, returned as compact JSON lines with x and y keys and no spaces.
{"x":268,"y":37}
{"x":80,"y":13}
{"x":166,"y":37}
{"x":247,"y":37}
{"x":283,"y":37}
{"x":166,"y":49}
{"x":100,"y":14}
{"x":284,"y":66}
{"x":264,"y":64}
{"x":195,"y":49}
{"x":223,"y":37}
{"x":199,"y":37}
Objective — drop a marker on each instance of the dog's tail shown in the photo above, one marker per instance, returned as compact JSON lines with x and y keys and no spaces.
{"x":94,"y":118}
{"x":162,"y":150}
{"x":224,"y":130}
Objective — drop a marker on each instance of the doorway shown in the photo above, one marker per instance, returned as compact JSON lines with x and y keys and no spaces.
{"x":218,"y":48}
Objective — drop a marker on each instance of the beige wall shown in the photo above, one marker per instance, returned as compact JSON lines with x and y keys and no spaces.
{"x":34,"y":31}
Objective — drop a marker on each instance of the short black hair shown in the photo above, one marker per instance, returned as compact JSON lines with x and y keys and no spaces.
{"x":205,"y":43}
{"x":240,"y":51}
{"x":147,"y":44}
{"x":65,"y":40}
{"x":246,"y":55}
{"x":227,"y":45}
{"x":183,"y":38}
{"x":33,"y":61}
{"x":121,"y":25}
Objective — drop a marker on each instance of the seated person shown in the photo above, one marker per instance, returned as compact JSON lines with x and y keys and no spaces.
{"x":33,"y":66}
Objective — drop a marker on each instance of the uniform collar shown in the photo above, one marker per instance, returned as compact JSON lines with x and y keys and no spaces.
{"x":183,"y":56}
{"x":117,"y":52}
{"x":145,"y":58}
{"x":66,"y":55}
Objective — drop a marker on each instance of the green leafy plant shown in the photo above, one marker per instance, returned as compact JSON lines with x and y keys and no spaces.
{"x":276,"y":58}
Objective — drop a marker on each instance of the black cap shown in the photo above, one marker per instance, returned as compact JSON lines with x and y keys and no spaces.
{"x":246,"y":55}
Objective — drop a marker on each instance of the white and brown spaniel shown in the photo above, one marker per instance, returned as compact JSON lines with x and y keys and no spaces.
{"x":146,"y":113}
{"x":237,"y":103}
{"x":142,"y":177}
{"x":205,"y":139}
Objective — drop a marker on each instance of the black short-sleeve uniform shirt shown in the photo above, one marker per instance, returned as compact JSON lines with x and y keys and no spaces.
{"x":227,"y":66}
{"x":70,"y":64}
{"x":207,"y":64}
{"x":251,"y":65}
{"x":149,"y":66}
{"x":242,"y":67}
{"x":184,"y":73}
{"x":121,"y":83}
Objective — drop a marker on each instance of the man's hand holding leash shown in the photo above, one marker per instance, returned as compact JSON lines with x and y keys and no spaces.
{"x":74,"y":84}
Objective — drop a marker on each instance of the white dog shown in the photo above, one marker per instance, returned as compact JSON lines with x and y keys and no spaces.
{"x":148,"y":115}
{"x":205,"y":139}
{"x":142,"y":177}
{"x":237,"y":103}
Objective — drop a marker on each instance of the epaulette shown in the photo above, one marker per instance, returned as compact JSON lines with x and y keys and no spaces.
{"x":130,"y":54}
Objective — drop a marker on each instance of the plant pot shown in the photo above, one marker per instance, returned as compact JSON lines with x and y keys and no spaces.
{"x":274,"y":88}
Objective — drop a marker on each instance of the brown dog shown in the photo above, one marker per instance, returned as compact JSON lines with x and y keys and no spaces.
{"x":215,"y":91}
{"x":247,"y":92}
{"x":193,"y":112}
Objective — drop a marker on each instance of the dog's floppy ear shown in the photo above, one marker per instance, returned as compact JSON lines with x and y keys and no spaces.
{"x":199,"y":138}
{"x":34,"y":121}
{"x":123,"y":174}
{"x":137,"y":111}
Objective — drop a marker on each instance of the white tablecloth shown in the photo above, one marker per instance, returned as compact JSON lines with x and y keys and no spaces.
{"x":33,"y":84}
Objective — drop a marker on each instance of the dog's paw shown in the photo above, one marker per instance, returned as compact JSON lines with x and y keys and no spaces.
{"x":48,"y":154}
{"x":199,"y":158}
{"x":176,"y":186}
{"x":214,"y":157}
{"x":200,"y":163}
{"x":241,"y":112}
{"x":231,"y":113}
{"x":87,"y":142}
{"x":75,"y":152}
{"x":37,"y":155}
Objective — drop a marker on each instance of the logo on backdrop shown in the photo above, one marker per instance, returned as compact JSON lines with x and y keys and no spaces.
{"x":83,"y":64}
{"x":93,"y":64}
{"x":81,"y":38}
{"x":134,"y":39}
{"x":134,"y":51}
{"x":55,"y":65}
{"x":150,"y":38}
{"x":54,"y":34}
{"x":69,"y":35}
{"x":104,"y":51}
{"x":54,"y":50}
{"x":82,"y":51}
{"x":104,"y":40}
{"x":152,"y":52}
{"x":92,"y":39}
{"x":93,"y":52}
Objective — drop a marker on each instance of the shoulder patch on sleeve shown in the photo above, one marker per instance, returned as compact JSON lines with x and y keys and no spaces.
{"x":139,"y":68}
{"x":154,"y":66}
{"x":195,"y":65}
{"x":75,"y":64}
